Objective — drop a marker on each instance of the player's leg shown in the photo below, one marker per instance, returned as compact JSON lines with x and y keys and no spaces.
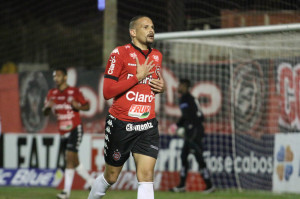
{"x":117,"y":148}
{"x":74,"y":139}
{"x":63,"y":145}
{"x":203,"y":170}
{"x":145,"y":153}
{"x":184,"y":168}
{"x":104,"y":181}
{"x":71,"y":162}
{"x":145,"y":175}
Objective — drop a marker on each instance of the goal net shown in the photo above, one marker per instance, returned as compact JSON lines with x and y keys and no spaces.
{"x":248,"y":87}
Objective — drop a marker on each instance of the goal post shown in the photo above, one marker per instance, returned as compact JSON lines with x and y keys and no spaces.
{"x":247,"y":82}
{"x":227,"y":32}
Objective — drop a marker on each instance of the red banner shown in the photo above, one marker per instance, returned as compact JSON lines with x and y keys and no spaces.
{"x":9,"y":103}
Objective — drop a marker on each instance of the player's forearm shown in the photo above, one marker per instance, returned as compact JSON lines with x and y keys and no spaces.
{"x":112,"y":88}
{"x":84,"y":107}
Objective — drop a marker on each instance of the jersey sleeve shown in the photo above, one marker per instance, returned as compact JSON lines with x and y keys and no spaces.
{"x":112,"y":85}
{"x":79,"y":97}
{"x":114,"y":65}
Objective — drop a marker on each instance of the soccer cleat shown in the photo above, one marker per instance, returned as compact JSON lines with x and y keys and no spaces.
{"x":209,"y":189}
{"x":178,"y":189}
{"x":62,"y":195}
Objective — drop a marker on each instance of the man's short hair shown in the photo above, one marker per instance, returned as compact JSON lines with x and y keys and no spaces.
{"x":134,"y":19}
{"x":185,"y":82}
{"x":62,"y":69}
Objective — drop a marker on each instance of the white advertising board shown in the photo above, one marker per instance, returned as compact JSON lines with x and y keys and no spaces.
{"x":286,"y":175}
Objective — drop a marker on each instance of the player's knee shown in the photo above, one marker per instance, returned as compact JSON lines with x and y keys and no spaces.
{"x":111,"y":180}
{"x":145,"y":176}
{"x":111,"y":176}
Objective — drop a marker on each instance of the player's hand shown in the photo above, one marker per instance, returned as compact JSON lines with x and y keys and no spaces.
{"x":143,"y":70}
{"x":48,"y":106}
{"x":76,"y":105}
{"x":158,"y":85}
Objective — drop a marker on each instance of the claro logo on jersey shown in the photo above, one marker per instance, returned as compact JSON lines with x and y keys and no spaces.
{"x":139,"y":111}
{"x":112,"y":65}
{"x":138,"y":97}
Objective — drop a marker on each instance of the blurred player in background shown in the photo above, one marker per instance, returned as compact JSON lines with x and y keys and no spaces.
{"x":190,"y":126}
{"x":132,"y":77}
{"x":66,"y":102}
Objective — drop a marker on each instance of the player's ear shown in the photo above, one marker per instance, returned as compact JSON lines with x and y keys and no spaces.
{"x":132,"y":33}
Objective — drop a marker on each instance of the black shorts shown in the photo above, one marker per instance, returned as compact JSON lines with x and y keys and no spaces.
{"x":123,"y":137}
{"x":72,"y":139}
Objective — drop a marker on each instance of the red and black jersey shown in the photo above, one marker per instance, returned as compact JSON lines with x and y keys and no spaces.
{"x":133,"y":101}
{"x":67,"y":117}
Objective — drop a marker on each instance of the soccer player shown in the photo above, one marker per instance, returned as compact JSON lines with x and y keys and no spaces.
{"x":66,"y":102}
{"x":132,"y":78}
{"x":191,"y":128}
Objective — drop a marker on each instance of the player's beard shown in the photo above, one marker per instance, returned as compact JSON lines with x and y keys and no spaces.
{"x":149,"y":42}
{"x":59,"y":83}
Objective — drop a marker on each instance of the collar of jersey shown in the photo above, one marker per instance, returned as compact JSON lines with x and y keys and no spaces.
{"x":64,"y":89}
{"x":150,"y":49}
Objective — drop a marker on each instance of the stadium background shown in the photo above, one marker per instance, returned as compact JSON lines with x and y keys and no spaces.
{"x":258,"y":151}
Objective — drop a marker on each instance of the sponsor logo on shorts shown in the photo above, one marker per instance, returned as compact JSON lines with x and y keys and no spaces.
{"x":116,"y":155}
{"x":139,"y":127}
{"x":154,"y":147}
{"x":139,"y":111}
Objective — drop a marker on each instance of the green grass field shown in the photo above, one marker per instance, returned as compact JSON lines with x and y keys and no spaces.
{"x":50,"y":193}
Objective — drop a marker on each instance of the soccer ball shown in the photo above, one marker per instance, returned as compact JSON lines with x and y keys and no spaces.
{"x":180,"y":131}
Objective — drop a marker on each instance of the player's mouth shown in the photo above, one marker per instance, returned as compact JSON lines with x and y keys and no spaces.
{"x":151,"y":36}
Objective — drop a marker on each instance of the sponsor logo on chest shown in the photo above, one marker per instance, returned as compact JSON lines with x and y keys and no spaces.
{"x":139,"y":111}
{"x":61,"y":98}
{"x":138,"y":97}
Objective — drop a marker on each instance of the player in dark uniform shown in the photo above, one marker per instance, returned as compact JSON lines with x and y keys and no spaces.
{"x":190,"y":126}
{"x":66,"y":102}
{"x":132,"y":78}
